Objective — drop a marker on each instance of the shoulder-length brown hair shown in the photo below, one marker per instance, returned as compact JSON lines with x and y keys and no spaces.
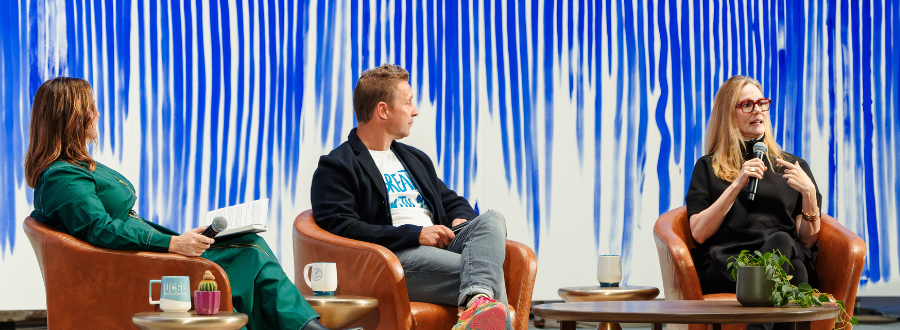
{"x":63,"y":117}
{"x":723,"y":137}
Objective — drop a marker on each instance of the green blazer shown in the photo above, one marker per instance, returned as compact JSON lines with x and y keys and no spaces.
{"x":96,"y":207}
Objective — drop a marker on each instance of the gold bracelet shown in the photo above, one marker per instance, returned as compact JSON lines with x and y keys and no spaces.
{"x":811,"y":218}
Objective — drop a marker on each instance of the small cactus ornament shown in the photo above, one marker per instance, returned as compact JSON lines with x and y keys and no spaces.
{"x":208,"y":283}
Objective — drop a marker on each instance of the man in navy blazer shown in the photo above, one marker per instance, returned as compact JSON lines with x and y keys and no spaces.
{"x":374,"y":189}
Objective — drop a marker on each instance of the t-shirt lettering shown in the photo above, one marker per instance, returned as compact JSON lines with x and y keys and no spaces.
{"x":407,"y":204}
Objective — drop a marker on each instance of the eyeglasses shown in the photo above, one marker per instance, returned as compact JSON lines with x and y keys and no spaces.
{"x":747,"y":105}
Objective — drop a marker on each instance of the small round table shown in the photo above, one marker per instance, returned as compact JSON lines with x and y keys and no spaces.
{"x":597,"y":293}
{"x":188,"y":320}
{"x":339,"y":311}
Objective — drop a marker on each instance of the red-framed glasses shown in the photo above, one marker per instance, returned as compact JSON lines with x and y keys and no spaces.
{"x":748,"y":105}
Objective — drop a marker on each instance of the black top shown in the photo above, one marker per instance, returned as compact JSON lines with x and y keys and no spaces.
{"x":349,"y":197}
{"x":748,"y":223}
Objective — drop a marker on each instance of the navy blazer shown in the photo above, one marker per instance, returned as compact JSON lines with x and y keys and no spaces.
{"x":349,"y":197}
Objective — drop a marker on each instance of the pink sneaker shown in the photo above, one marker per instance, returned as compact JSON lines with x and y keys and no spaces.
{"x":484,"y":314}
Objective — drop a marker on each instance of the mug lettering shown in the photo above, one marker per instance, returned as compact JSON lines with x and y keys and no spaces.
{"x":175,"y":288}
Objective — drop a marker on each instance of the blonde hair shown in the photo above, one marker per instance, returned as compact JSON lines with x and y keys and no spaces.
{"x":724,"y":139}
{"x":62,"y":121}
{"x":374,"y":86}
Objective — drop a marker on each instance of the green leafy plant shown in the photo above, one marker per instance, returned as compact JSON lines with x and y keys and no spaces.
{"x":784,"y":292}
{"x":208,"y":283}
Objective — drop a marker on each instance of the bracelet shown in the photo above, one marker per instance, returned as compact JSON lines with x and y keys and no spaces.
{"x":811,"y":217}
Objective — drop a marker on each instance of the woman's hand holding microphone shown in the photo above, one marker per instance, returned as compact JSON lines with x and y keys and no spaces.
{"x":753,"y":168}
{"x":191,"y":243}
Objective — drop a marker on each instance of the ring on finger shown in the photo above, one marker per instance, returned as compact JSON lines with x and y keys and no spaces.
{"x":753,"y":170}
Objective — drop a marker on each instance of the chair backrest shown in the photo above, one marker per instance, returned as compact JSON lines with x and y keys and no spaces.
{"x":842,"y":256}
{"x":520,"y":270}
{"x":364,"y":269}
{"x":674,"y":241}
{"x":102,"y":288}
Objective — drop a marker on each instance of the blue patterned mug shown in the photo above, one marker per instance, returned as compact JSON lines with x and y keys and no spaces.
{"x":174,"y":293}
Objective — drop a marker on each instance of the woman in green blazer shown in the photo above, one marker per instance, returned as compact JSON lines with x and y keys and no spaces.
{"x":79,"y":196}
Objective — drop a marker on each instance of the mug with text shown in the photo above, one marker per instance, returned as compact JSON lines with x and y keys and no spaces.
{"x":609,"y":270}
{"x":174,"y":293}
{"x":323,"y":278}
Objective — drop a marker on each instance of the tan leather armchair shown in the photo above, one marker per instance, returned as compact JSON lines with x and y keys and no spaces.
{"x":839,"y":264}
{"x":371,"y":270}
{"x":99,"y":288}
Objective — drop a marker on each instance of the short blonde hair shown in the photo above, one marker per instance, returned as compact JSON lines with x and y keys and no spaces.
{"x":723,"y":137}
{"x":374,"y":86}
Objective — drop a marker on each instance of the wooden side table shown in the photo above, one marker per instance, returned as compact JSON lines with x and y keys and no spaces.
{"x":188,"y":320}
{"x":339,"y":311}
{"x":597,"y":293}
{"x":658,"y":312}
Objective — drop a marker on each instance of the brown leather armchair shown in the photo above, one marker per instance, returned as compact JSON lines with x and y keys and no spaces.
{"x":88,"y":286}
{"x":840,"y":262}
{"x":372,"y":270}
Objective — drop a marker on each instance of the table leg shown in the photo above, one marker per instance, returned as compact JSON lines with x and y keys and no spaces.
{"x":566,"y":325}
{"x":716,"y":326}
{"x":657,"y":326}
{"x":803,"y":325}
{"x":608,"y":326}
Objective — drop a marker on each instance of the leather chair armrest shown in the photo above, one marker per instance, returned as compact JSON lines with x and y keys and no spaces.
{"x":520,"y":269}
{"x":155,"y":265}
{"x":842,"y":255}
{"x":680,"y":280}
{"x":364,"y":269}
{"x":82,"y":279}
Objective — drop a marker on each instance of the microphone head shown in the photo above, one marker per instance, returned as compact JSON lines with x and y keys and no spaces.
{"x":760,"y":148}
{"x":219,"y":224}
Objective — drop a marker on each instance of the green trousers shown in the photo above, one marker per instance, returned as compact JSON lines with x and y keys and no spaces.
{"x":259,"y":286}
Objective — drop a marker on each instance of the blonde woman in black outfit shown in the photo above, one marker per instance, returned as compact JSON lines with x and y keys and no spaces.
{"x":785,"y":212}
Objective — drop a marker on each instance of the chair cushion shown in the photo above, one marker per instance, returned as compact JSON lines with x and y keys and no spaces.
{"x":431,"y":316}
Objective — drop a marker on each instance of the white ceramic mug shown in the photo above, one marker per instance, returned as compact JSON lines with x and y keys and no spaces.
{"x":323,"y":278}
{"x":609,"y":270}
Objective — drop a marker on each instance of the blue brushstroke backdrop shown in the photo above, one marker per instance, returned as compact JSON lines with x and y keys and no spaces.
{"x":579,"y":120}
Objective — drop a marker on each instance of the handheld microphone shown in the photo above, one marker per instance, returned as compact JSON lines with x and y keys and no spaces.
{"x":218,"y":225}
{"x":759,"y":150}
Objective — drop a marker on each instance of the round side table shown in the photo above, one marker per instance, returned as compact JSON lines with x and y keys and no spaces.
{"x":339,"y":311}
{"x":188,"y":320}
{"x":597,"y":293}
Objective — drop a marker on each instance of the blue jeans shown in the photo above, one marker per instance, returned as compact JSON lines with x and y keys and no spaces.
{"x":471,"y":264}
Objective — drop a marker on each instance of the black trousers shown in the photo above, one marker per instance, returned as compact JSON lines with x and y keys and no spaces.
{"x":713,"y":281}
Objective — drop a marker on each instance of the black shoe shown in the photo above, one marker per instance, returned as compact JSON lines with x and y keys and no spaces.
{"x":315,"y":325}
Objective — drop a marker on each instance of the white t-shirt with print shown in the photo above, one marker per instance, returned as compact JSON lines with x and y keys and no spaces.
{"x":407,"y":205}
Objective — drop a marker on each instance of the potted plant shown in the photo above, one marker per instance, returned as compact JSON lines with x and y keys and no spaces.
{"x":752,"y":269}
{"x":207,"y":297}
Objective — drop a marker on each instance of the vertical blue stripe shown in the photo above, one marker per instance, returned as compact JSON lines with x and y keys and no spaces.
{"x":10,"y":95}
{"x":832,"y":103}
{"x":879,"y":267}
{"x":662,"y":164}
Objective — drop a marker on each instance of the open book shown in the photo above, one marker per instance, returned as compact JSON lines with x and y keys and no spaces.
{"x":248,"y":217}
